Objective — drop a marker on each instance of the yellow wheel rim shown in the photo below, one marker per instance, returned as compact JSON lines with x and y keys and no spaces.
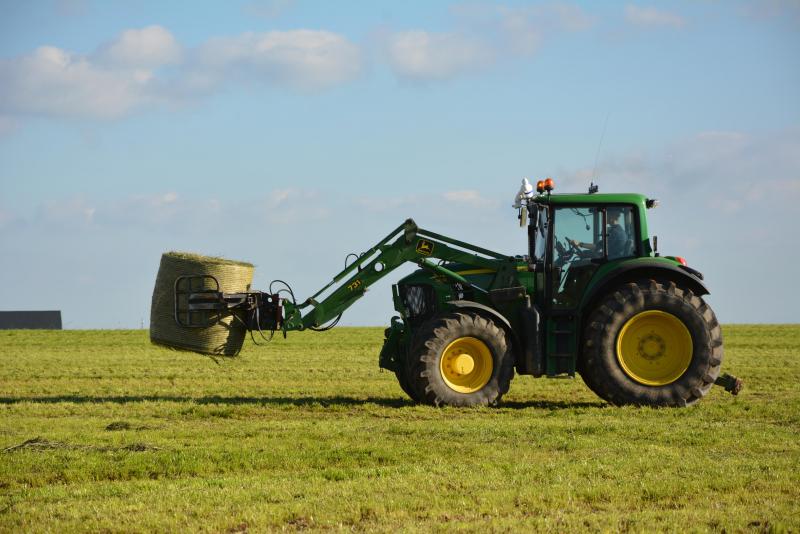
{"x":654,"y":348}
{"x":466,"y":365}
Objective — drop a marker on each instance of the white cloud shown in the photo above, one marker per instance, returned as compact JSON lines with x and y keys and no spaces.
{"x":468,"y":197}
{"x":291,"y":205}
{"x":484,"y":34}
{"x":279,"y":207}
{"x":171,"y":211}
{"x":80,"y":211}
{"x":652,"y":17}
{"x":288,"y":196}
{"x":152,"y":46}
{"x":66,"y":213}
{"x":52,"y":82}
{"x":728,"y":172}
{"x":113,"y":81}
{"x":524,"y":28}
{"x":146,"y":67}
{"x":305,"y":59}
{"x":164,"y":199}
{"x":524,"y":36}
{"x":724,"y":171}
{"x":728,"y":203}
{"x":421,"y":55}
{"x":278,"y":196}
{"x":568,"y":17}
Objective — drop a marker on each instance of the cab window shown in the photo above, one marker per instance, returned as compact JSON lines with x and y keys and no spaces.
{"x":583,"y":237}
{"x":578,"y":235}
{"x":620,"y":231}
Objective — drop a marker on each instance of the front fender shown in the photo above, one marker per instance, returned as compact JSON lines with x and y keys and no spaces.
{"x":491,"y":313}
{"x":480,"y":308}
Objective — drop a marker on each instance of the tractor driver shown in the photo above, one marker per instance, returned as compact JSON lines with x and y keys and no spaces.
{"x":617,"y":238}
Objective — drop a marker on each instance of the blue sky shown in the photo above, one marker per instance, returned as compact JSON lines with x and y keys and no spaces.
{"x":290,"y":133}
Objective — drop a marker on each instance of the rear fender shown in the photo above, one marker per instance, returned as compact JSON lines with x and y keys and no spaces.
{"x":631,"y":272}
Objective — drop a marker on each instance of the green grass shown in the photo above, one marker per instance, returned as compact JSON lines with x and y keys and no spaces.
{"x":308,"y":434}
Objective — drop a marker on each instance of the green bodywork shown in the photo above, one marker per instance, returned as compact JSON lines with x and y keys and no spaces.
{"x":514,"y":290}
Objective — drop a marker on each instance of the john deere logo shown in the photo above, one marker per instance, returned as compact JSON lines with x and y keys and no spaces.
{"x":424,"y":247}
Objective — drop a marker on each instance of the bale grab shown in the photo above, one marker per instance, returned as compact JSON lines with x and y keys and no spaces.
{"x":221,"y":335}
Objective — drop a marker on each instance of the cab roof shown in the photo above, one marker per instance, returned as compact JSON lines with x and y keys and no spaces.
{"x":596,"y":198}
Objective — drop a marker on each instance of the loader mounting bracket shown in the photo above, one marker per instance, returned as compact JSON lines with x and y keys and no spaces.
{"x":199,"y":303}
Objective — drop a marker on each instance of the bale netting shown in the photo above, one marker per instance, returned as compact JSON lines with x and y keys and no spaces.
{"x":225,"y":338}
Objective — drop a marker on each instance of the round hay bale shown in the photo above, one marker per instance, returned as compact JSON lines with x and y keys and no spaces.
{"x":224,"y":338}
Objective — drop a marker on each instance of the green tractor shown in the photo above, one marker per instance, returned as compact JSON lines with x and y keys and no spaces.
{"x":591,"y":295}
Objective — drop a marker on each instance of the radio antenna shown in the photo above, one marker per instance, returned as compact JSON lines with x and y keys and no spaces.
{"x":599,"y":145}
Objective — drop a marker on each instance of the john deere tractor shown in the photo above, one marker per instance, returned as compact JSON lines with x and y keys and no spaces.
{"x":590,"y":295}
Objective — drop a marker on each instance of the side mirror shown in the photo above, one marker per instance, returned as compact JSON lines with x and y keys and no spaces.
{"x":523,"y":216}
{"x":655,"y":245}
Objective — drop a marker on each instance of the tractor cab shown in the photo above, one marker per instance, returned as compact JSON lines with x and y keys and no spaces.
{"x":574,"y":242}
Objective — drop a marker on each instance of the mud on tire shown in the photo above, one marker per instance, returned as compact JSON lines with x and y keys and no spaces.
{"x":601,"y":367}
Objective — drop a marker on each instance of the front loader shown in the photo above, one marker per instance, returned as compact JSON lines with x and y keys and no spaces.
{"x":590,"y":295}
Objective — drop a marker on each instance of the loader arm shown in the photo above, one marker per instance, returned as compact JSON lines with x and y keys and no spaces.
{"x":407,"y":243}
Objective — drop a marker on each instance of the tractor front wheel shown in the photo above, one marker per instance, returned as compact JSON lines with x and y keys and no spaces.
{"x":651,"y":343}
{"x":460,"y":359}
{"x":403,"y":375}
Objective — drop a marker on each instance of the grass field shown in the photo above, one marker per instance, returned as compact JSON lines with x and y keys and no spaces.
{"x":308,"y":434}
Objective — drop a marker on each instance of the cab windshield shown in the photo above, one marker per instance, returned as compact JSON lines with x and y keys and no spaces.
{"x":583,"y":238}
{"x":583,"y":234}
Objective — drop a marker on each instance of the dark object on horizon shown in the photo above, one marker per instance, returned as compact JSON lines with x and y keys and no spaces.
{"x":30,"y":320}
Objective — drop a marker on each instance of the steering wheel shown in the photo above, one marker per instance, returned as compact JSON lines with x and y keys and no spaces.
{"x":567,"y":253}
{"x":564,"y":253}
{"x":572,"y":248}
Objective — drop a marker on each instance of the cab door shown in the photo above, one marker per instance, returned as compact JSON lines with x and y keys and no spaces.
{"x":582,"y":239}
{"x":576,"y":252}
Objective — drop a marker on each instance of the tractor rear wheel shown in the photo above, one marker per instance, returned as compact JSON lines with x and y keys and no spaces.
{"x":460,"y":359}
{"x":651,"y":343}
